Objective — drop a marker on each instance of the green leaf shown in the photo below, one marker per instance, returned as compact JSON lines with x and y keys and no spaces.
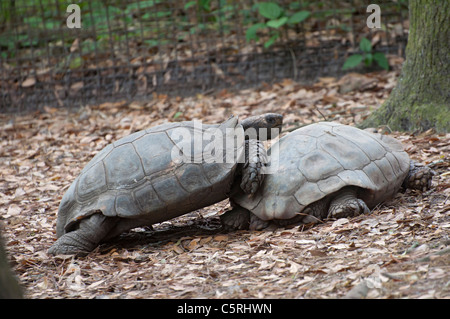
{"x":205,"y":5}
{"x":75,"y":63}
{"x":139,"y":6}
{"x":352,"y":61}
{"x":294,"y":5}
{"x":381,"y":60}
{"x":51,"y":24}
{"x":151,"y":43}
{"x":162,"y":14}
{"x":250,"y":34}
{"x":277,"y":22}
{"x":368,"y":59}
{"x":271,"y":41}
{"x":34,"y":22}
{"x":146,"y":4}
{"x":177,"y":115}
{"x":190,"y":4}
{"x":114,"y":11}
{"x":298,"y":17}
{"x":365,"y":45}
{"x":269,"y":10}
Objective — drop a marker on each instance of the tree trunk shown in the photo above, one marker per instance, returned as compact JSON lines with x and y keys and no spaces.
{"x":9,"y":287}
{"x":421,"y":99}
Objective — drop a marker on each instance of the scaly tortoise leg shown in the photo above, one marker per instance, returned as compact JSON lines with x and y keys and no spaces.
{"x":346,"y":204}
{"x":240,"y":218}
{"x":419,"y":177}
{"x":236,"y":218}
{"x":252,"y":170}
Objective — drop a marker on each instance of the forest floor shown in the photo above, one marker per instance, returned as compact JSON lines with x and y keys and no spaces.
{"x":400,"y":250}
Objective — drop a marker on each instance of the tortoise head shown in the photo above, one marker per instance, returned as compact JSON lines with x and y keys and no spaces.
{"x":263,"y":125}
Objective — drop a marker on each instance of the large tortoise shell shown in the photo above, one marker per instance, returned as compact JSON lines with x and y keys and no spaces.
{"x":136,"y":178}
{"x":320,"y":159}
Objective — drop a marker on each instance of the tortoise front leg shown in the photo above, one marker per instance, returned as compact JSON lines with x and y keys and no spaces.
{"x":235,"y":219}
{"x":252,"y":170}
{"x":419,"y":177}
{"x":346,"y":204}
{"x":240,"y":218}
{"x":90,"y":233}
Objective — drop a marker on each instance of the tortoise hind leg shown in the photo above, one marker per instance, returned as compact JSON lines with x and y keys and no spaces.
{"x":90,"y":233}
{"x":346,"y":204}
{"x":419,"y":177}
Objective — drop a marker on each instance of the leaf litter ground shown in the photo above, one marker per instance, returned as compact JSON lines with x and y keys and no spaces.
{"x":400,"y":250}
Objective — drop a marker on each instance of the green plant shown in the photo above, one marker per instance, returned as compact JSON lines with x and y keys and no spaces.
{"x":276,"y":19}
{"x":210,"y":15}
{"x":367,"y":57}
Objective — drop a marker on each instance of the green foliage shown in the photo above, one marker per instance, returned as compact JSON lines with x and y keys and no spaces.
{"x":36,"y":18}
{"x":381,"y":59}
{"x":352,"y":61}
{"x":75,"y":63}
{"x":298,"y":17}
{"x":367,"y":57}
{"x":42,"y":24}
{"x":177,"y":115}
{"x":276,"y":18}
{"x":269,"y":10}
{"x":210,"y":15}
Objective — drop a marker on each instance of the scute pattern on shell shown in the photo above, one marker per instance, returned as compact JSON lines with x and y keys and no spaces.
{"x":135,"y":178}
{"x":320,"y":159}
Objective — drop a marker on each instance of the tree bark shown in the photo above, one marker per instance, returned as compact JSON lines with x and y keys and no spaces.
{"x":9,"y":287}
{"x":421,"y":99}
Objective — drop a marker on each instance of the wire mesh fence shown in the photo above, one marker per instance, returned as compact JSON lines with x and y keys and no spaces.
{"x":130,"y":49}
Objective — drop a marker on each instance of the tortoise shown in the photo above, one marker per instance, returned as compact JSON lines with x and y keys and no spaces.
{"x":150,"y":176}
{"x":326,"y":170}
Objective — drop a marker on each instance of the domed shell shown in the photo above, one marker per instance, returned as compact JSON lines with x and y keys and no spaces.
{"x":320,"y":159}
{"x":136,"y":178}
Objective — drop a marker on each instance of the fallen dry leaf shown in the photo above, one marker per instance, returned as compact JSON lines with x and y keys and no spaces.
{"x":30,"y":81}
